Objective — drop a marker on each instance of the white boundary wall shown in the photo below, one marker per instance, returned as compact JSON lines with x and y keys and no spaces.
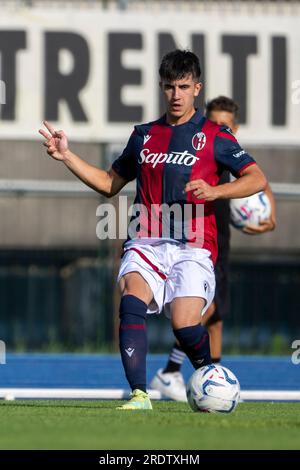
{"x":114,"y":61}
{"x":11,"y":394}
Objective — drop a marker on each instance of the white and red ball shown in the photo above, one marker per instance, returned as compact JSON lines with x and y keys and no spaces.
{"x":213,"y":389}
{"x":250,"y":210}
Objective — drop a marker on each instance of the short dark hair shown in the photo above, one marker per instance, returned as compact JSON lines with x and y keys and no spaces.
{"x":177,"y":64}
{"x":222,"y":103}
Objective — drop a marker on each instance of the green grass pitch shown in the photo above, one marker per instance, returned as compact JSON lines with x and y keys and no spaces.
{"x":66,"y":424}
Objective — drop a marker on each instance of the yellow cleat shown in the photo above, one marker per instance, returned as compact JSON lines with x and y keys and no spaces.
{"x":139,"y":401}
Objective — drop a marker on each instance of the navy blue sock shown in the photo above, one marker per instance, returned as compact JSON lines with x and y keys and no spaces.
{"x":194,"y":341}
{"x":133,"y":340}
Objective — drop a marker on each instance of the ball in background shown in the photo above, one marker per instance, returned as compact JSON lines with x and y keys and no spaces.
{"x":250,"y":210}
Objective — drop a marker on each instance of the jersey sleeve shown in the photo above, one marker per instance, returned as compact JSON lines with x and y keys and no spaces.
{"x":125,"y":165}
{"x":229,"y":154}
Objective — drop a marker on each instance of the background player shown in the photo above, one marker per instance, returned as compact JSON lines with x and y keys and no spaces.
{"x":169,"y":381}
{"x":176,"y":159}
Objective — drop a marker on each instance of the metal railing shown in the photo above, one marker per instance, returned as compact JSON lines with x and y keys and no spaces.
{"x":21,"y":187}
{"x":145,"y":4}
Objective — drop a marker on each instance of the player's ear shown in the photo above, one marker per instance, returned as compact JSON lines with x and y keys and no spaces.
{"x":198,"y":88}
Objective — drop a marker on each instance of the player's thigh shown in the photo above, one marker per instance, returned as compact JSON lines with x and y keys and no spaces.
{"x":186,"y":311}
{"x":133,"y":283}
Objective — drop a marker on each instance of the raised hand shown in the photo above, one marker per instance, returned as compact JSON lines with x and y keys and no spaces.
{"x":56,"y":142}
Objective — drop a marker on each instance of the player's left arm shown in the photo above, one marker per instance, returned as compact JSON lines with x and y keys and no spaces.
{"x":265,"y":225}
{"x":250,"y":181}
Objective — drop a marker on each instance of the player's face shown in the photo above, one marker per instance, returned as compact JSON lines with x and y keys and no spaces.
{"x":179,"y":97}
{"x":224,"y":118}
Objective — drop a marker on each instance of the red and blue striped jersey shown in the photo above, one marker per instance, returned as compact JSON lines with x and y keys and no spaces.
{"x":164,"y":158}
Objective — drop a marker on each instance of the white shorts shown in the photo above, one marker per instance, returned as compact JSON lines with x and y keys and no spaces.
{"x":172,"y":270}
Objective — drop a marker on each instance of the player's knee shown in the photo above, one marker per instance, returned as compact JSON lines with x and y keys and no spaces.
{"x":135,"y":285}
{"x":186,"y":312}
{"x":184,"y":322}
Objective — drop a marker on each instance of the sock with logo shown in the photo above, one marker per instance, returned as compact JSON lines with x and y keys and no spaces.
{"x":133,"y":340}
{"x":175,"y":360}
{"x":194,"y":341}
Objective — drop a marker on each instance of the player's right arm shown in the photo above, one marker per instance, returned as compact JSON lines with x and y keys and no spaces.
{"x":107,"y":183}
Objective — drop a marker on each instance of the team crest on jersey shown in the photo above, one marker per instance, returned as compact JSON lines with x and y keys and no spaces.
{"x":199,"y":141}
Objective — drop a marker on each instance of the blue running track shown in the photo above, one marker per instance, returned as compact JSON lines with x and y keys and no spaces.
{"x":105,"y":371}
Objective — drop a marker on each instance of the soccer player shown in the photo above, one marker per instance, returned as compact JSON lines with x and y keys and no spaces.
{"x":176,"y":161}
{"x":169,"y":381}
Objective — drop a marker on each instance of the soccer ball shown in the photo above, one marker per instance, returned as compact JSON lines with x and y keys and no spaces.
{"x":250,"y":210}
{"x":213,"y":389}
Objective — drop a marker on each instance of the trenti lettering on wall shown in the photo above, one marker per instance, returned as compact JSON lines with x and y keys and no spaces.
{"x":98,"y":80}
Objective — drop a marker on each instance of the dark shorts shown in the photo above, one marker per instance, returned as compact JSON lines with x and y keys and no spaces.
{"x":222,"y":297}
